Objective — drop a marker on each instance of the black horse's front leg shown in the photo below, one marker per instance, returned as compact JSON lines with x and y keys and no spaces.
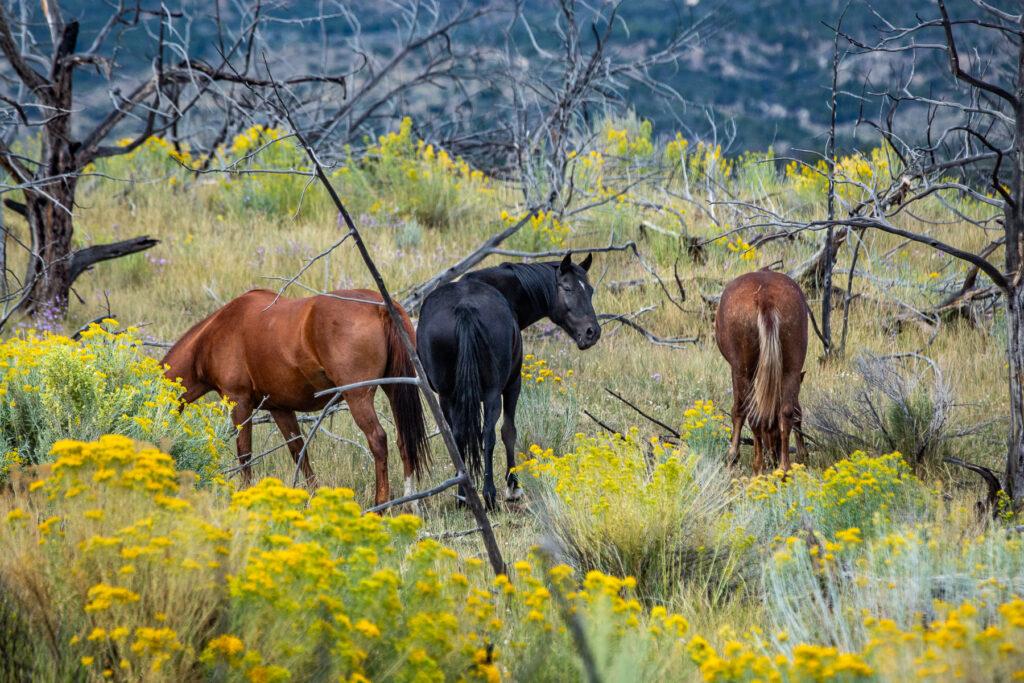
{"x":510,"y":398}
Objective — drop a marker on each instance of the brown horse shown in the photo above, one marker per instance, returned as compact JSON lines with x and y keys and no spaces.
{"x":761,"y":329}
{"x":263,"y":351}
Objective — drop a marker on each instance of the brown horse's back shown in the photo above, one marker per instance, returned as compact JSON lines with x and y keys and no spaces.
{"x":761,"y":330}
{"x":276,"y":349}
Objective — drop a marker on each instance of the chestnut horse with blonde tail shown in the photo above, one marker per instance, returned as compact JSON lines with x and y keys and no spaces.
{"x":761,"y":329}
{"x":265,"y":351}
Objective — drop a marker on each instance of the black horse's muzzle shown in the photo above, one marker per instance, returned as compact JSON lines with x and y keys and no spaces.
{"x":588,"y":337}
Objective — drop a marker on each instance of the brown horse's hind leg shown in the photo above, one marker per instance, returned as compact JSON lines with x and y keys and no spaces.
{"x":760,"y":440}
{"x":289,"y":427}
{"x":789,"y":414}
{"x":407,"y":469}
{"x":361,"y":406}
{"x":241,"y":416}
{"x":740,"y":390}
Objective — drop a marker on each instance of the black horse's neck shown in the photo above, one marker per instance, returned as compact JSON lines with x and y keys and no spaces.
{"x":528,"y":287}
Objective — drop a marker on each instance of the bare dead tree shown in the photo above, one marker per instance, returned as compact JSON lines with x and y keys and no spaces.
{"x":46,"y":106}
{"x":185,"y":92}
{"x":560,"y":85}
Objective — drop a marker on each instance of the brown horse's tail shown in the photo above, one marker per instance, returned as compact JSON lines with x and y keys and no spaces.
{"x":405,"y":398}
{"x":766,"y":399}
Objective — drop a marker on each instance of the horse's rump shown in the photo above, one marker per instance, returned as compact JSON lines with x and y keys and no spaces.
{"x":766,"y":398}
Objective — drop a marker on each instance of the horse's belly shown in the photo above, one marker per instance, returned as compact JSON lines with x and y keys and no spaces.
{"x":294,"y":390}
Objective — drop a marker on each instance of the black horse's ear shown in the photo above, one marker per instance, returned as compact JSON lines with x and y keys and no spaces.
{"x":566,"y":265}
{"x":587,"y":262}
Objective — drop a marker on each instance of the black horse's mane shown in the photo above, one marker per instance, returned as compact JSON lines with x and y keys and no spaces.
{"x":537,"y":281}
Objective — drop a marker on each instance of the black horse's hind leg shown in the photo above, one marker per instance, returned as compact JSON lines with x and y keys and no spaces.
{"x":492,"y":410}
{"x":446,"y":410}
{"x":509,"y":435}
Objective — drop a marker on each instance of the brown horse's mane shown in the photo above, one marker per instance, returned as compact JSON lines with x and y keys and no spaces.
{"x":177,"y":355}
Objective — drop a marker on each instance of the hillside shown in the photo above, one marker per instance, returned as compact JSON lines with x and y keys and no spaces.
{"x":759,"y":69}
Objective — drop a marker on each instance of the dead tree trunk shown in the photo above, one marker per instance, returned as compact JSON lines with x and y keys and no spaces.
{"x":1013,"y":229}
{"x":1015,"y":356}
{"x":50,"y":223}
{"x":50,"y":180}
{"x":49,"y":203}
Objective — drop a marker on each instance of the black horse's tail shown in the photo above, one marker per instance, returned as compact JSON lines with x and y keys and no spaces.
{"x":465,"y":415}
{"x":405,"y":398}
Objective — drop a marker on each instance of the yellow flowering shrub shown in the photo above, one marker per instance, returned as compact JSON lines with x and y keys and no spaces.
{"x":536,"y":371}
{"x":548,"y":405}
{"x":955,"y":645}
{"x":421,"y":180}
{"x":741,"y":248}
{"x":543,"y":231}
{"x":958,"y":644}
{"x":752,"y":659}
{"x":250,"y":183}
{"x":596,"y":497}
{"x":113,"y":561}
{"x":859,"y":491}
{"x":705,"y":429}
{"x":120,"y":568}
{"x":699,"y":162}
{"x":895,"y":577}
{"x":53,"y":388}
{"x":249,"y":166}
{"x":628,"y":144}
{"x":160,"y":148}
{"x":856,"y":175}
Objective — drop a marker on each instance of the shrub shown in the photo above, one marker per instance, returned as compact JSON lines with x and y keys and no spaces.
{"x":630,"y":142}
{"x":54,"y":388}
{"x":896,"y":408}
{"x":256,"y":158}
{"x":544,"y":231}
{"x":426,"y":182}
{"x":956,"y":645}
{"x":121,"y":569}
{"x":860,"y":491}
{"x":820,"y":590}
{"x":597,"y":498}
{"x":705,"y":429}
{"x":548,"y":408}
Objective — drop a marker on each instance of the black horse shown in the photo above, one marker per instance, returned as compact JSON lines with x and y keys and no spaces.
{"x":470,"y":342}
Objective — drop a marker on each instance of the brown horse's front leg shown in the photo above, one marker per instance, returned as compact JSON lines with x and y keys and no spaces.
{"x":289,"y":426}
{"x":798,"y":434}
{"x":785,"y":426}
{"x":241,"y":416}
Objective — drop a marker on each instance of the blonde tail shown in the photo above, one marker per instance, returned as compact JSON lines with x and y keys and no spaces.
{"x":766,"y":399}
